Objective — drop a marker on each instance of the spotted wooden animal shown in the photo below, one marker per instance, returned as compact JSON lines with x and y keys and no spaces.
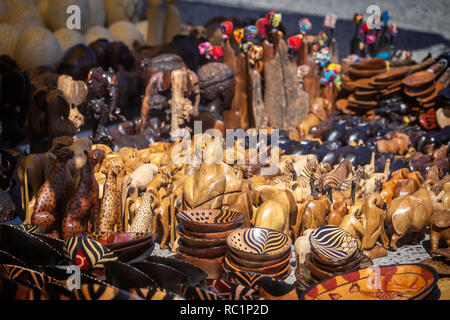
{"x":110,"y":216}
{"x":53,"y":195}
{"x":143,"y":220}
{"x":84,"y":202}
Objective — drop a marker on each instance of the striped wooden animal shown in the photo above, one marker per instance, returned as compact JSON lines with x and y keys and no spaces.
{"x":333,"y":180}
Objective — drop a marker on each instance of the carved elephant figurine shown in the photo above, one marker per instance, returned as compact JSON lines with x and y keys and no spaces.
{"x":406,"y":214}
{"x":302,"y":247}
{"x":439,"y":229}
{"x":315,"y":213}
{"x":277,"y":211}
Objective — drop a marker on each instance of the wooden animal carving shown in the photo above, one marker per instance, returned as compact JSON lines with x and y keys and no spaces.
{"x":277,"y":210}
{"x":52,"y":197}
{"x":302,"y":247}
{"x":397,"y":145}
{"x":375,"y":216}
{"x":406,"y":214}
{"x":31,"y":173}
{"x":84,"y":202}
{"x":439,"y":229}
{"x":110,"y":215}
{"x":143,"y":220}
{"x":338,"y":210}
{"x":315,"y":213}
{"x":333,"y":179}
{"x":353,"y":223}
{"x":137,"y":181}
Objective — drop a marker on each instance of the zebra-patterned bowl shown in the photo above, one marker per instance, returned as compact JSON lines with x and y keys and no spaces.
{"x":210,"y":220}
{"x":332,"y":244}
{"x":259,"y":244}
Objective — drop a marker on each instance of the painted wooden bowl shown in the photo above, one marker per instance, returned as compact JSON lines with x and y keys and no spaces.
{"x":137,"y":252}
{"x":227,"y":289}
{"x":115,"y":240}
{"x":353,"y":263}
{"x":204,"y":235}
{"x":332,"y":244}
{"x":397,"y":282}
{"x":206,"y":253}
{"x":271,"y":269}
{"x":212,"y":267}
{"x":315,"y":270}
{"x":258,"y":264}
{"x":166,"y":277}
{"x":198,"y":293}
{"x":259,"y":244}
{"x":211,"y":220}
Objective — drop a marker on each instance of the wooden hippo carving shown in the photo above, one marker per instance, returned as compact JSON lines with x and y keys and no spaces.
{"x":110,"y":215}
{"x":84,"y":202}
{"x":52,"y":197}
{"x":397,"y":145}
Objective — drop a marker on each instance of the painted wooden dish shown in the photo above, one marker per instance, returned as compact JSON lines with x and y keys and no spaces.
{"x":205,"y":253}
{"x":227,"y":289}
{"x":397,"y":282}
{"x":197,"y":293}
{"x":212,"y":267}
{"x":352,"y":263}
{"x":204,"y":235}
{"x":194,"y":273}
{"x":137,"y":252}
{"x":27,"y":275}
{"x":271,"y":269}
{"x":114,"y":240}
{"x":255,"y":264}
{"x":166,"y":277}
{"x":333,"y":244}
{"x":211,"y":220}
{"x":259,"y":244}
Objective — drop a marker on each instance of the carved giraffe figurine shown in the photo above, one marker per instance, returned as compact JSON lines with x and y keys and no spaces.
{"x":84,"y":202}
{"x":110,"y":215}
{"x":52,"y":197}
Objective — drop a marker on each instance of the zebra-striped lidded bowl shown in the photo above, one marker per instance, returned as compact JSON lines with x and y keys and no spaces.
{"x":210,"y":220}
{"x":332,"y":244}
{"x":259,"y":244}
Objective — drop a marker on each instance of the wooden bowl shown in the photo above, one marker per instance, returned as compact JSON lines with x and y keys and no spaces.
{"x":212,"y":267}
{"x":205,"y":235}
{"x":396,"y":282}
{"x":204,"y":253}
{"x":136,"y":252}
{"x":316,"y":271}
{"x":419,"y":79}
{"x":115,"y":240}
{"x":254,"y":264}
{"x":283,"y":274}
{"x":198,"y":243}
{"x":332,"y":244}
{"x":352,"y":263}
{"x":259,"y":244}
{"x":212,"y":220}
{"x":271,"y":269}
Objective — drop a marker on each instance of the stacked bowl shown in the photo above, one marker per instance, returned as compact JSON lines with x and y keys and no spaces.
{"x":203,"y":237}
{"x":333,"y":251}
{"x":259,"y":250}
